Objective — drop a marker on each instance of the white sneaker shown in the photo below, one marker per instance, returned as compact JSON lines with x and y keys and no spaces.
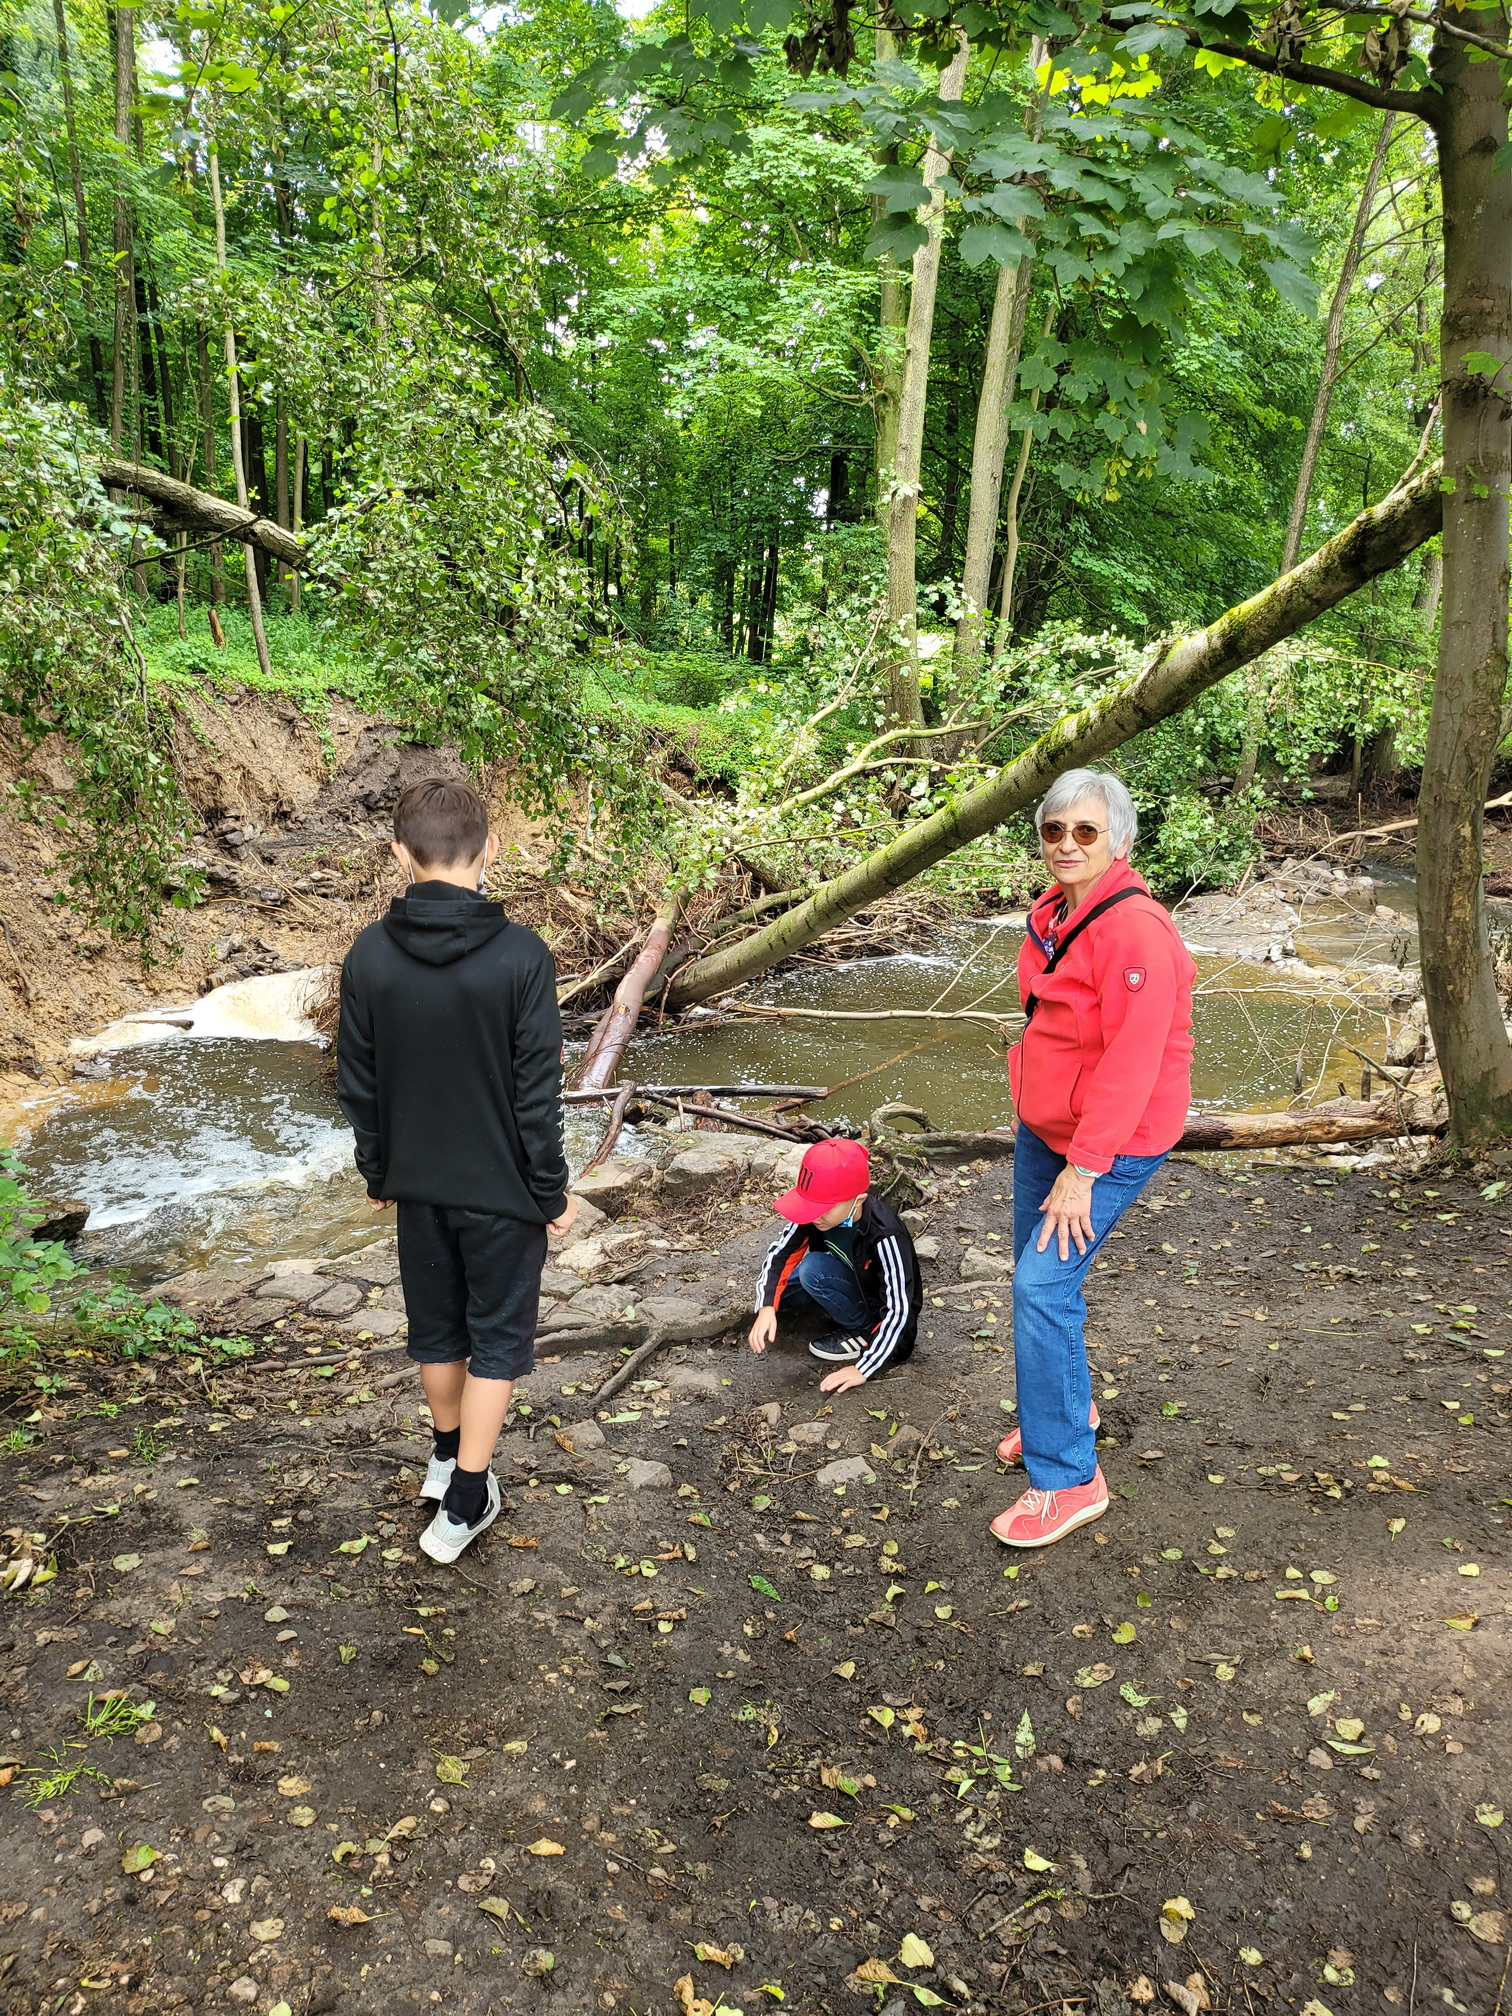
{"x":445,"y":1538}
{"x":438,"y":1475}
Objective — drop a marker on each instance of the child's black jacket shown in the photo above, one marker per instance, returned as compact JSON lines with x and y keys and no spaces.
{"x":886,"y":1267}
{"x":449,"y":1058}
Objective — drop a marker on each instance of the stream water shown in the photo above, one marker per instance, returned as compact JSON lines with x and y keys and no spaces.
{"x":203,"y":1147}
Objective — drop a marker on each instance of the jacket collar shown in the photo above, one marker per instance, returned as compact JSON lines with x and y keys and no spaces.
{"x":1043,"y":918}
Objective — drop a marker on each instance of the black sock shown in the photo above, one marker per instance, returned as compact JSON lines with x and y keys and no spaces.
{"x":448,"y":1442}
{"x":466,"y":1495}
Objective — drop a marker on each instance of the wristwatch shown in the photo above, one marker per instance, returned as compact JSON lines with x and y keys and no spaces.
{"x":1078,"y":1170}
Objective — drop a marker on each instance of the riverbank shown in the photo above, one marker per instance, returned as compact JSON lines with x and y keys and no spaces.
{"x":693,"y":1710}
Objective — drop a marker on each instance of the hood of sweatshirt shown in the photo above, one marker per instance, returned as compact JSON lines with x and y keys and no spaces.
{"x":439,"y":923}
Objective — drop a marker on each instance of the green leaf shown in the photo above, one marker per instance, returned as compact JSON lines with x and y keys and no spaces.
{"x":981,"y":242}
{"x":764,"y":1588}
{"x":1295,"y":287}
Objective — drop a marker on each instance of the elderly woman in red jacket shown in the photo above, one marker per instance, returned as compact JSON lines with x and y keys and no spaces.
{"x":1101,"y":1084}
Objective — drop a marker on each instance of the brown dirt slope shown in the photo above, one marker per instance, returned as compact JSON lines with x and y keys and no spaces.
{"x":1272,"y":1682}
{"x":291,"y":835}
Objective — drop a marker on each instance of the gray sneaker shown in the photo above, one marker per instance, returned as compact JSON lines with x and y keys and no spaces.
{"x":445,"y":1538}
{"x":437,"y":1476}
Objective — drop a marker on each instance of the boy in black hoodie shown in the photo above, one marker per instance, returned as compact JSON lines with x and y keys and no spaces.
{"x":449,"y":1067}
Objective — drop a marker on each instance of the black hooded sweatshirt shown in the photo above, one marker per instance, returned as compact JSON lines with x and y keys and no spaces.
{"x":449,"y":1058}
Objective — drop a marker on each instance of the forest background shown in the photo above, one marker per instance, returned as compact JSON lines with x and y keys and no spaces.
{"x":765,"y":431}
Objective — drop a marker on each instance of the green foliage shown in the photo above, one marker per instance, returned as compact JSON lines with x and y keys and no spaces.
{"x":30,"y":1269}
{"x":122,"y":1322}
{"x":70,"y":665}
{"x":1200,"y":843}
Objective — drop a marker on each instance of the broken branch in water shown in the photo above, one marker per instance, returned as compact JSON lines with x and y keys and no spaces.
{"x":878,"y":1014}
{"x":714,"y":1091}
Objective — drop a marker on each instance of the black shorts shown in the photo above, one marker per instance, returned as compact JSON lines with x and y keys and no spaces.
{"x":472,"y":1288}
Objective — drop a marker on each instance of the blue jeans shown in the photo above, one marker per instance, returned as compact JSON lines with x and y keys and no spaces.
{"x":833,"y":1285}
{"x":1050,"y":1313}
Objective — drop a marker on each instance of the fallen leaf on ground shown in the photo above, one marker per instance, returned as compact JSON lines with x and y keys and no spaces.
{"x":266,"y":1930}
{"x":136,"y":1859}
{"x":1176,"y":1914}
{"x":825,"y":1820}
{"x":719,"y":1956}
{"x":914,"y":1951}
{"x":1094,"y":1676}
{"x":348,"y":1914}
{"x":1141,"y":1991}
{"x":690,"y":2003}
{"x":1034,"y":1860}
{"x":452,"y":1770}
{"x":124,"y":1563}
{"x":495,"y":1907}
{"x":876,"y":1974}
{"x":545,"y":1847}
{"x":1491,"y":1926}
{"x":293,"y":1788}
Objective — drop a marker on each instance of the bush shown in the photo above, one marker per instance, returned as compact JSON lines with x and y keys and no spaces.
{"x":1199,"y":844}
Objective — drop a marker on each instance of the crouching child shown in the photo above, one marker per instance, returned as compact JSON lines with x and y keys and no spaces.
{"x":850,"y":1254}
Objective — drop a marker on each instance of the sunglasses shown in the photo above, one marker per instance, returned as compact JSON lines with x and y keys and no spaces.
{"x":1053,"y":831}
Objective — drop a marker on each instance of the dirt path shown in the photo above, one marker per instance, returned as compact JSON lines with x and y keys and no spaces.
{"x":372,"y":1785}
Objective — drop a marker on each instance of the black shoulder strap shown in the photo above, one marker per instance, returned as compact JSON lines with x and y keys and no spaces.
{"x":1063,"y":945}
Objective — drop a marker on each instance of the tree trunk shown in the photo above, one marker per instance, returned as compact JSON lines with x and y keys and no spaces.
{"x":1377,"y":540}
{"x":207,"y":422}
{"x":300,"y":452}
{"x":1333,"y":343}
{"x":185,"y":508}
{"x":281,"y":473}
{"x":124,"y":333}
{"x":1257,"y":683}
{"x":1015,"y":502}
{"x":233,"y":386}
{"x":892,"y":322}
{"x":901,"y":519}
{"x":989,"y":449}
{"x":1465,"y":722}
{"x":81,"y":221}
{"x":607,"y":1044}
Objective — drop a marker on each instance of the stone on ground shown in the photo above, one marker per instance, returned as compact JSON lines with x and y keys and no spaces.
{"x":979,"y":1266}
{"x":846,"y":1470}
{"x":612,"y":1187}
{"x":583,"y":1435}
{"x":642,"y":1476}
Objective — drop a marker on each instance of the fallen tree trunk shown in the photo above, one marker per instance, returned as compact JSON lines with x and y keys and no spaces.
{"x":1343,"y":1120}
{"x":607,"y":1044}
{"x":182,"y":508}
{"x":1372,"y":544}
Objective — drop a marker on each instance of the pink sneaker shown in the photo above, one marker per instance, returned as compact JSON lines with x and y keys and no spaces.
{"x":1042,"y":1517}
{"x":1012,"y":1446}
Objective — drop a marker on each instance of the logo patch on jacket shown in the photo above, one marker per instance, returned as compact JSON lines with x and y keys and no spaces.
{"x":1134,"y":978}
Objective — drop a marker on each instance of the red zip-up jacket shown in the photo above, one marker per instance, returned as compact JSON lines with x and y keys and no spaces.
{"x":1105,"y":1065}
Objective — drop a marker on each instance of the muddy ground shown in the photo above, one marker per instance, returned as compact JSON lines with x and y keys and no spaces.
{"x":1261,"y":1706}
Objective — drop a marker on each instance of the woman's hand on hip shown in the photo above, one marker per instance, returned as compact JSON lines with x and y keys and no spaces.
{"x":1068,"y":1213}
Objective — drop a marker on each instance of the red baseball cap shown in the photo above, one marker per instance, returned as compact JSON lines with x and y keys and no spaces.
{"x":833,"y":1172}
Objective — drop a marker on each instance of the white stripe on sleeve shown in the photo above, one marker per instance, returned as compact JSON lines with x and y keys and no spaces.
{"x":894,"y":1312}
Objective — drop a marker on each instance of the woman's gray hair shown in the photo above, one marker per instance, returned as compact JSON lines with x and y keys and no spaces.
{"x":1123,"y":820}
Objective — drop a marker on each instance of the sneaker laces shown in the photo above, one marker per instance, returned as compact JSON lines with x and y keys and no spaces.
{"x":1038,"y":1505}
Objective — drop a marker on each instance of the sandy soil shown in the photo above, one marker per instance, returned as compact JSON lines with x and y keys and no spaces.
{"x":1261,"y":1706}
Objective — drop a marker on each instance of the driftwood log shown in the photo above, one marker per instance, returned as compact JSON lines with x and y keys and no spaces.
{"x":1340,"y":1121}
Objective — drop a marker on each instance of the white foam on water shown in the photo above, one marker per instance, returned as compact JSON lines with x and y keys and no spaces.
{"x":266,"y":1008}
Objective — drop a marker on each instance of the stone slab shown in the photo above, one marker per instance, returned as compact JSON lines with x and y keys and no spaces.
{"x":340,"y":1299}
{"x":977,"y":1265}
{"x":292,"y":1287}
{"x":381,"y":1322}
{"x":846,"y":1470}
{"x":643,"y":1476}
